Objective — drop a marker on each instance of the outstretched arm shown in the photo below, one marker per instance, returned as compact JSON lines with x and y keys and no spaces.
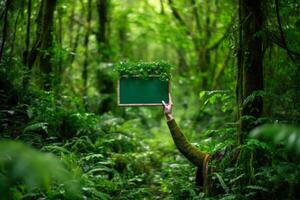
{"x":188,"y":150}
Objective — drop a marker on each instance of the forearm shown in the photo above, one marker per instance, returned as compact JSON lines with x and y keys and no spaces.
{"x":192,"y":153}
{"x":169,"y":117}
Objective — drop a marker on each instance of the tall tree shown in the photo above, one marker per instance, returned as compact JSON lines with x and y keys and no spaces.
{"x":250,"y":65}
{"x":103,"y":30}
{"x":201,"y":34}
{"x":86,"y":52}
{"x":27,"y":39}
{"x":26,"y":54}
{"x":41,"y":52}
{"x":4,"y":28}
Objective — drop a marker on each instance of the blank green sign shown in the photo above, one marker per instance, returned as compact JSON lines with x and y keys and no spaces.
{"x":137,"y":91}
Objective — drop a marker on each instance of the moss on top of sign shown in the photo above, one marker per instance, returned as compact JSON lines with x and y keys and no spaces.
{"x":145,"y":70}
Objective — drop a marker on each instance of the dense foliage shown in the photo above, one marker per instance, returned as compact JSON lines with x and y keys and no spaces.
{"x":62,"y":135}
{"x":160,"y":69}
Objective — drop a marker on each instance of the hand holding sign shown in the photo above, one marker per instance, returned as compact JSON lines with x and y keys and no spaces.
{"x":168,"y":108}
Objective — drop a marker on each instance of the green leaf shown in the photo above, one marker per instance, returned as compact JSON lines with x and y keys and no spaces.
{"x":222,"y":182}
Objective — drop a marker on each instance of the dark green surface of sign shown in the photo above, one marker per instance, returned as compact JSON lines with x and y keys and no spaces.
{"x":137,"y":91}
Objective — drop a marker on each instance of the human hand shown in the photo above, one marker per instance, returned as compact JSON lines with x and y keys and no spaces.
{"x":168,"y":108}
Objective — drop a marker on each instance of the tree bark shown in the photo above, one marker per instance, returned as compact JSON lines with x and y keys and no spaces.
{"x":102,"y":33}
{"x":13,"y":41}
{"x":26,"y":54}
{"x":123,"y":28}
{"x":86,"y":53}
{"x":4,"y":29}
{"x":250,"y":66}
{"x":46,"y":39}
{"x":75,"y":41}
{"x":41,"y":53}
{"x":27,"y":40}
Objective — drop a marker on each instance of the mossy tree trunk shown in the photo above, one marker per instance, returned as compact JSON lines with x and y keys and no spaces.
{"x":250,"y":65}
{"x":41,"y":53}
{"x":45,"y":51}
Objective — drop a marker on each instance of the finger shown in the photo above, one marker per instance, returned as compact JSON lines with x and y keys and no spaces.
{"x":170,"y":99}
{"x":163,"y":103}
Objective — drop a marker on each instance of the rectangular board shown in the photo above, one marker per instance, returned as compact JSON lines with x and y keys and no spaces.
{"x":135,"y":91}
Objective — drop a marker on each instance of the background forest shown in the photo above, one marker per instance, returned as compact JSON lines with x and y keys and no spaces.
{"x":235,"y":85}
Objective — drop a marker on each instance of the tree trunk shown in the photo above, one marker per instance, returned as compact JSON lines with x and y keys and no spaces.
{"x":182,"y":63}
{"x":26,"y":53}
{"x":86,"y":53}
{"x":13,"y":41}
{"x":27,"y":40}
{"x":102,"y":34}
{"x":46,"y":53}
{"x":41,"y":52}
{"x":250,"y":67}
{"x":123,"y":28}
{"x":4,"y":29}
{"x":75,"y":41}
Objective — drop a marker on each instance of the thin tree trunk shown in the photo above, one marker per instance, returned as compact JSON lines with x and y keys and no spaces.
{"x":12,"y":50}
{"x":26,"y":54}
{"x":102,"y":34}
{"x":74,"y":42}
{"x":86,"y":58}
{"x":220,"y":71}
{"x":162,"y":9}
{"x":71,"y":25}
{"x":59,"y":65}
{"x":183,"y":66}
{"x":4,"y":29}
{"x":27,"y":41}
{"x":123,"y":38}
{"x":32,"y":55}
{"x":239,"y":84}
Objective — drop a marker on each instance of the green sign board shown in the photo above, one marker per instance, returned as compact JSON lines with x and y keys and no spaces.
{"x":135,"y":91}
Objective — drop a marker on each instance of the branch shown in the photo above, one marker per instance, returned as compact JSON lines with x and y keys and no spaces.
{"x":275,"y":39}
{"x":179,"y":18}
{"x":283,"y":41}
{"x":195,"y":10}
{"x":227,"y":32}
{"x":84,"y":25}
{"x":221,"y":69}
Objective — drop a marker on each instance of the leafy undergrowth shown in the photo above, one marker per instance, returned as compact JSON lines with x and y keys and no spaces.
{"x":106,"y":157}
{"x":120,"y":157}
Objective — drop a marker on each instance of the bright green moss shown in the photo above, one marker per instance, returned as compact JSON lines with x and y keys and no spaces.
{"x":161,"y":69}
